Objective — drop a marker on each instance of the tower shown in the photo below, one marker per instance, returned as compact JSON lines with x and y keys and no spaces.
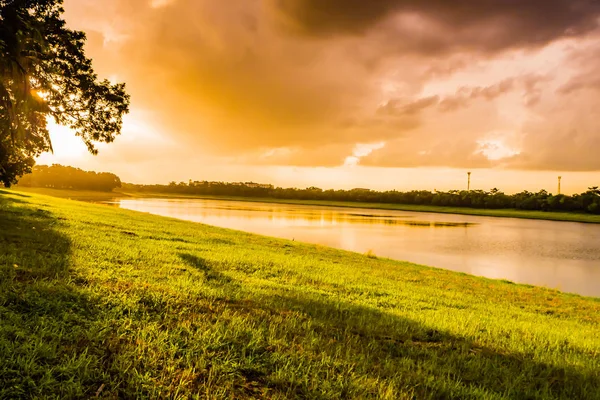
{"x":469,"y":181}
{"x":559,"y":178}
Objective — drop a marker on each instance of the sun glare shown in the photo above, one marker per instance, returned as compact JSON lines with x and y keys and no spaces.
{"x":67,"y":146}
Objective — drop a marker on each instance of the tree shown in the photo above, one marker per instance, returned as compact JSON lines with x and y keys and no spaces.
{"x":44,"y":72}
{"x":64,"y":177}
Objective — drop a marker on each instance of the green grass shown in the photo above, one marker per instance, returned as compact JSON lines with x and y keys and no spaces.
{"x":95,"y":299}
{"x":503,"y":213}
{"x":83,"y":195}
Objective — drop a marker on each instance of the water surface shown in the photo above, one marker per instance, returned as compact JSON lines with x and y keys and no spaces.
{"x":561,"y":255}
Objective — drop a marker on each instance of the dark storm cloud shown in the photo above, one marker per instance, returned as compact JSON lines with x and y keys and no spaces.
{"x":482,"y":24}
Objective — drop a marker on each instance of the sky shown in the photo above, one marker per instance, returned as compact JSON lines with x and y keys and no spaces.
{"x":387,"y":94}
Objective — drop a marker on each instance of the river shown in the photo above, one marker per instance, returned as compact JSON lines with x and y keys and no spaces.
{"x":559,"y":255}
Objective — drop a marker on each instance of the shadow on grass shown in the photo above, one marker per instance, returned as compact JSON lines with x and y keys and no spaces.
{"x":434,"y":364}
{"x":46,"y":322}
{"x":364,"y":344}
{"x":13,"y":193}
{"x":210,"y":274}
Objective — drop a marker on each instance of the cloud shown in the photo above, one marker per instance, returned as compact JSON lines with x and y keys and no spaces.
{"x":304,"y":82}
{"x":439,"y":25}
{"x":442,"y":139}
{"x":465,"y":95}
{"x":566,"y":138}
{"x":362,"y":150}
{"x":398,"y":108}
{"x":561,"y":132}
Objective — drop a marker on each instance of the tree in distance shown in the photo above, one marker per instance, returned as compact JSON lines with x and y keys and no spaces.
{"x":44,"y":73}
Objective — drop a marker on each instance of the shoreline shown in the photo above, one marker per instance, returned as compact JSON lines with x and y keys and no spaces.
{"x":84,"y":196}
{"x":499,"y":213}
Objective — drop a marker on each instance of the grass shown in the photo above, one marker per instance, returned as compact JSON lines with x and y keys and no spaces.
{"x":83,"y":195}
{"x":96,"y":300}
{"x":503,"y":213}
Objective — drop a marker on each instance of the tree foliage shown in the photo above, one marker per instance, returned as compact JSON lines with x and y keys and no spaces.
{"x":63,"y":177}
{"x":44,"y":73}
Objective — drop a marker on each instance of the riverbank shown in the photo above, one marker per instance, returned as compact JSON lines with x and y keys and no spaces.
{"x":83,"y":195}
{"x":502,"y":213}
{"x":99,"y":299}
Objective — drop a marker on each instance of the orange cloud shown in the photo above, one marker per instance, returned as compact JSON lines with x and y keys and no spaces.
{"x":303,"y":82}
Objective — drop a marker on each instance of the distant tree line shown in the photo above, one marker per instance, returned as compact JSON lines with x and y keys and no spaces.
{"x":62,"y":177}
{"x":588,"y":201}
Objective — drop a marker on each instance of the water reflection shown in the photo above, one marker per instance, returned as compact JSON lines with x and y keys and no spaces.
{"x":560,"y":255}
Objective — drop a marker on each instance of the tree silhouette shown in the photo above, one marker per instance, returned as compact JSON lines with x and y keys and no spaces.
{"x":44,"y":73}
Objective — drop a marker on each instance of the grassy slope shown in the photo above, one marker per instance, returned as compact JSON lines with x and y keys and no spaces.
{"x":143,"y":306}
{"x":84,"y":195}
{"x":506,"y":213}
